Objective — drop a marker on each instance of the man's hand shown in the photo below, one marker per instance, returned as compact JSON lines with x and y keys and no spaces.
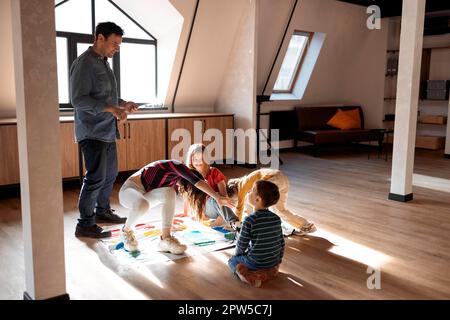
{"x":118,"y":112}
{"x":130,"y":106}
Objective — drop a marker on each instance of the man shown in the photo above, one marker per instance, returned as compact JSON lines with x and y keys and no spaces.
{"x":93,"y":94}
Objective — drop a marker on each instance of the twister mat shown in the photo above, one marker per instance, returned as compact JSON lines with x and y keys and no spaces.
{"x":199,"y":237}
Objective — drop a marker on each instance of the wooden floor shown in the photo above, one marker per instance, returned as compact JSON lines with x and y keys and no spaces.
{"x":344,"y":194}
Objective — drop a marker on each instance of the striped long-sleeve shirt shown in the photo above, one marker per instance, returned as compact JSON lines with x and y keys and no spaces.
{"x":261,"y":239}
{"x":165,"y":173}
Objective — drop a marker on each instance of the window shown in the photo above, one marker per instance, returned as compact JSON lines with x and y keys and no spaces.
{"x":292,"y":62}
{"x":135,"y":66}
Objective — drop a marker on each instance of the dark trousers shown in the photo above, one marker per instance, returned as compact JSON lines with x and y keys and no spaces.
{"x":100,"y":159}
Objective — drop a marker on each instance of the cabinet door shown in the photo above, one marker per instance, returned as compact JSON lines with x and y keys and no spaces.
{"x":122,"y":147}
{"x":222,"y":143}
{"x":9,"y":155}
{"x":181,"y":142}
{"x":69,"y":151}
{"x":145,"y":142}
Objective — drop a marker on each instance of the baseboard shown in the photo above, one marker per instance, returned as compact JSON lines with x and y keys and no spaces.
{"x":65,"y":296}
{"x":400,"y":198}
{"x":446,"y":156}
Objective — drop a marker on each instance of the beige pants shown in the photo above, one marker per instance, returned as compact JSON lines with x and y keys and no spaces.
{"x":282,"y":182}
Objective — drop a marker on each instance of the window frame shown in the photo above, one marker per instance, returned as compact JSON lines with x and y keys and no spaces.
{"x":74,"y":38}
{"x":300,"y":61}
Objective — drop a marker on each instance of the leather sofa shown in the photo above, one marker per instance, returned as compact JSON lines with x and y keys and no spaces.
{"x":309,"y":124}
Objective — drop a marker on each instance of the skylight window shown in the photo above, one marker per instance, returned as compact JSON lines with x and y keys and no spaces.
{"x":292,"y":62}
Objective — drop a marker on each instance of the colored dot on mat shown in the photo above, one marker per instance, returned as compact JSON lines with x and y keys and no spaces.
{"x":135,"y":254}
{"x":119,"y":245}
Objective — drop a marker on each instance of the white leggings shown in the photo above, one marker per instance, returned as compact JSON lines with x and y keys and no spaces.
{"x":134,"y":197}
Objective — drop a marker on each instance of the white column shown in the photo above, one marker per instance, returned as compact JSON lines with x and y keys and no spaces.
{"x":39,"y":147}
{"x":411,"y":40}
{"x":447,"y":138}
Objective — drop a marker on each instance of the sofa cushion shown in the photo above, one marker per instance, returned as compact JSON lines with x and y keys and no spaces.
{"x":343,"y":121}
{"x":316,"y":118}
{"x":354,"y":114}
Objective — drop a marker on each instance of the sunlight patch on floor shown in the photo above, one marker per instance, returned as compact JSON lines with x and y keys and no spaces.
{"x":432,"y":183}
{"x":296,"y":282}
{"x":352,"y":250}
{"x":202,"y":257}
{"x":145,"y":272}
{"x":221,"y":256}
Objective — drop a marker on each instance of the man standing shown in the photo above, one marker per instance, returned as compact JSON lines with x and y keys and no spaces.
{"x":97,"y":107}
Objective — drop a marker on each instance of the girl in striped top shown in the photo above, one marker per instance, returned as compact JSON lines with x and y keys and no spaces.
{"x":261,"y":243}
{"x":151,"y":186}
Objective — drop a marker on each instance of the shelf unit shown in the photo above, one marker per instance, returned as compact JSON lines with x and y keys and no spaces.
{"x":432,"y":115}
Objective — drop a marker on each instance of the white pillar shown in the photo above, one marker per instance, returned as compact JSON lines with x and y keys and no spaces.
{"x":411,"y":41}
{"x":447,"y":138}
{"x":39,"y":147}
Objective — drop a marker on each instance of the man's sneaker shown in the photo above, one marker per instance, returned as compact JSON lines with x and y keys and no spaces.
{"x":94,"y":231}
{"x":109,"y":217}
{"x":245,"y":275}
{"x":129,"y":241}
{"x":171,"y":245}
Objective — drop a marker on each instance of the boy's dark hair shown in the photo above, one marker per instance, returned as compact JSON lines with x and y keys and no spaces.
{"x":268,"y":192}
{"x":108,"y":28}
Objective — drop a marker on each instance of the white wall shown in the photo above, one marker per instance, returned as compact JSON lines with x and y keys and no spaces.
{"x":238,"y":90}
{"x":212,"y":38}
{"x":351,"y":66}
{"x":7,"y":81}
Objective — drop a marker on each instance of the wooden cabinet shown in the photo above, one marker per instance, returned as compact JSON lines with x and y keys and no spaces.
{"x":69,"y":151}
{"x":181,"y":134}
{"x":9,"y":155}
{"x":121,"y":145}
{"x":221,"y":124}
{"x":197,"y":132}
{"x":142,"y":141}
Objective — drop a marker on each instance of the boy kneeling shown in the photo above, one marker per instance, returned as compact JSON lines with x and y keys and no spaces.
{"x":260,"y":246}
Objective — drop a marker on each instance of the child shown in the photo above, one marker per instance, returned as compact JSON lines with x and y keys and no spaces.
{"x":260,"y":246}
{"x":151,"y":186}
{"x":216,"y":180}
{"x":240,"y":186}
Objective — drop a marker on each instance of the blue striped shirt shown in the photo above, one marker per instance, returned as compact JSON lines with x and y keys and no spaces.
{"x":261,"y":239}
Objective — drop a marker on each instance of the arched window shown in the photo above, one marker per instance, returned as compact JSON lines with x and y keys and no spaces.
{"x":135,"y":66}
